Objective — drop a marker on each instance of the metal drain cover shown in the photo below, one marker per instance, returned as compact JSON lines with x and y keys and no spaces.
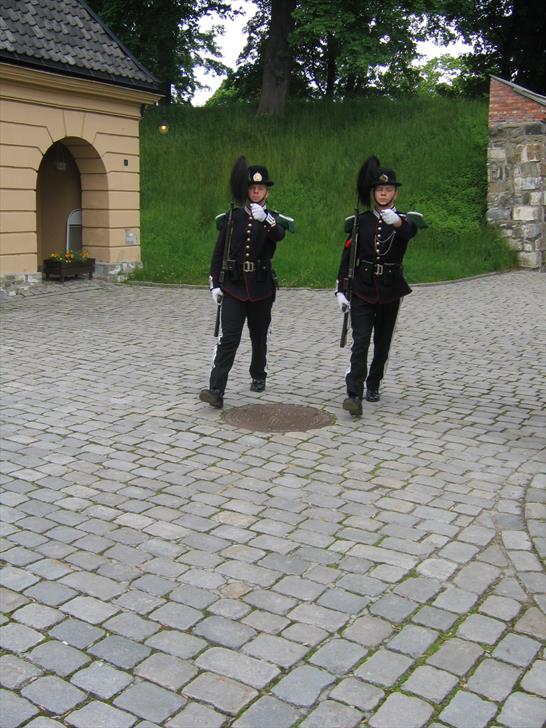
{"x":278,"y":417}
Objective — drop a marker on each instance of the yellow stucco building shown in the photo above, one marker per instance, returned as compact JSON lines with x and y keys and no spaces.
{"x":71,"y":98}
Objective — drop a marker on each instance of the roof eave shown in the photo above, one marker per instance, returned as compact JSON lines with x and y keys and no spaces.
{"x":78,"y":72}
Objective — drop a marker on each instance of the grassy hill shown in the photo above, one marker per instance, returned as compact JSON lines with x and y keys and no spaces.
{"x":437,"y":147}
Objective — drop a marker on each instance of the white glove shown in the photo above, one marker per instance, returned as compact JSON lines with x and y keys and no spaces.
{"x":216,"y":295}
{"x":258,"y":212}
{"x":342,"y":302}
{"x":390,"y":217}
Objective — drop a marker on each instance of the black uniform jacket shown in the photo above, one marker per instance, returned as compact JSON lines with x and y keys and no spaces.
{"x":248,"y":274}
{"x":378,"y":276}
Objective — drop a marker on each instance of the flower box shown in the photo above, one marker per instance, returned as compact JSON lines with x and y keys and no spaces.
{"x":64,"y":269}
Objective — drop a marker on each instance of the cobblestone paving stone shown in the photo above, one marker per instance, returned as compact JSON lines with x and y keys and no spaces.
{"x":161,"y":568}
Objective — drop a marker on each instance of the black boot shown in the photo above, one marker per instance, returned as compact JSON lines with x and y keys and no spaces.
{"x":372,"y":395}
{"x":212,"y":397}
{"x":353,"y":405}
{"x":257,"y":385}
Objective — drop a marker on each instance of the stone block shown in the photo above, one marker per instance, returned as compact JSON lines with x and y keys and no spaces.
{"x":523,"y":711}
{"x":18,"y":638}
{"x":338,"y":656}
{"x":101,"y":679}
{"x":526,"y":213}
{"x":267,"y":711}
{"x":120,"y":651}
{"x":15,"y":672}
{"x":302,"y":685}
{"x":466,"y":710}
{"x":247,"y":670}
{"x":100,"y":715}
{"x":149,"y":701}
{"x":517,"y":649}
{"x":368,"y":631}
{"x":384,"y":667}
{"x":195,"y":715}
{"x":166,"y":670}
{"x":430,"y":683}
{"x":55,"y":657}
{"x":53,"y":694}
{"x":15,"y":710}
{"x":275,"y":649}
{"x":494,"y":679}
{"x":456,"y":656}
{"x":225,"y":632}
{"x":534,"y":681}
{"x":330,"y":713}
{"x":357,"y":693}
{"x":227,"y":695}
{"x":398,"y":710}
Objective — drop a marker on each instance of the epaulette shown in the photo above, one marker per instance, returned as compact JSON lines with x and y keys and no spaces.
{"x":417,"y":219}
{"x":348,"y":224}
{"x":219,"y":220}
{"x":284,"y":221}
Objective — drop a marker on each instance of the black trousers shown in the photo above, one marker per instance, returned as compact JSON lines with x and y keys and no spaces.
{"x":365,"y":318}
{"x":232,"y":320}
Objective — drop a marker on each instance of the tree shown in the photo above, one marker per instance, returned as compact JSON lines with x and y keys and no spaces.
{"x":277,"y":59}
{"x":165,"y":36}
{"x":507,"y":36}
{"x":323,"y":49}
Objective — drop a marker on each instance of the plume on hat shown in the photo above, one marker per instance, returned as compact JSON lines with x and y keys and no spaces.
{"x":238,"y":181}
{"x":367,"y":176}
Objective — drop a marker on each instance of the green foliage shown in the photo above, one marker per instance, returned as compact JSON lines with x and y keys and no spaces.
{"x":437,"y":147}
{"x":339,"y":50}
{"x":165,"y":35}
{"x":507,"y":38}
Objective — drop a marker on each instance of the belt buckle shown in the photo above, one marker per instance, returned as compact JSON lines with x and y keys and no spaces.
{"x":248,"y":266}
{"x":378,"y":269}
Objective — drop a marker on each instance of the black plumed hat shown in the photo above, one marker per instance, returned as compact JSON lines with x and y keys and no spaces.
{"x":258,"y":175}
{"x":370,"y":175}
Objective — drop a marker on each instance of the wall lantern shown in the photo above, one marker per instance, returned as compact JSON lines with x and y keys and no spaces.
{"x":163,"y":126}
{"x":60,"y":161}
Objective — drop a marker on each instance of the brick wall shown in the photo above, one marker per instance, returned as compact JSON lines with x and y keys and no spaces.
{"x":507,"y":105}
{"x":516,"y":166}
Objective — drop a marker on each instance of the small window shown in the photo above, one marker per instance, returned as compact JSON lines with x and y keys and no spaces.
{"x":74,"y":230}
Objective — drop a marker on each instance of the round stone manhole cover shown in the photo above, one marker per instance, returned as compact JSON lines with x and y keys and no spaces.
{"x":278,"y":417}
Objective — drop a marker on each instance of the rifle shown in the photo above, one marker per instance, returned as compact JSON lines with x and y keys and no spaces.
{"x":349,"y":279}
{"x":225,"y":257}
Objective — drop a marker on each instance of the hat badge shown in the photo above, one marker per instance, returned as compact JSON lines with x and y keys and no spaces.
{"x":257,"y":177}
{"x":383,"y":178}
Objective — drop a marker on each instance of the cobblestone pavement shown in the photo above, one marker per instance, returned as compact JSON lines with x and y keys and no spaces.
{"x":162,"y":568}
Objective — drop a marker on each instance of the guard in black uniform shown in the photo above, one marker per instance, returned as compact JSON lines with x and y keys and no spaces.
{"x":242,"y":280}
{"x":378,"y":283}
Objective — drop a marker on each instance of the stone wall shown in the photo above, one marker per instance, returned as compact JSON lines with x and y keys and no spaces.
{"x":516,"y":169}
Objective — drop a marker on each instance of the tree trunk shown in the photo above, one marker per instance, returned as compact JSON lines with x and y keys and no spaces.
{"x":331,"y":61}
{"x":278,"y":60}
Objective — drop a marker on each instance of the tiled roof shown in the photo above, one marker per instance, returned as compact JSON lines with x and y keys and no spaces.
{"x":66,"y":37}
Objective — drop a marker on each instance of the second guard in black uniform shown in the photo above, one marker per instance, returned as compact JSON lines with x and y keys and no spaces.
{"x":373,"y":293}
{"x":242,"y":280}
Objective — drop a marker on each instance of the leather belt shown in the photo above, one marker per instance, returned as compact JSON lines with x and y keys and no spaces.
{"x":379,"y":268}
{"x":249,"y":266}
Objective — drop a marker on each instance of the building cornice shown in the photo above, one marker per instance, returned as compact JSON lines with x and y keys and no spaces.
{"x":56,"y":82}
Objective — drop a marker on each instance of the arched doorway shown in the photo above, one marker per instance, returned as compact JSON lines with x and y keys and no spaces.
{"x":58,"y":193}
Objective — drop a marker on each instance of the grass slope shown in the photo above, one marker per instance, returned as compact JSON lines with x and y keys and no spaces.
{"x":437,"y":147}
